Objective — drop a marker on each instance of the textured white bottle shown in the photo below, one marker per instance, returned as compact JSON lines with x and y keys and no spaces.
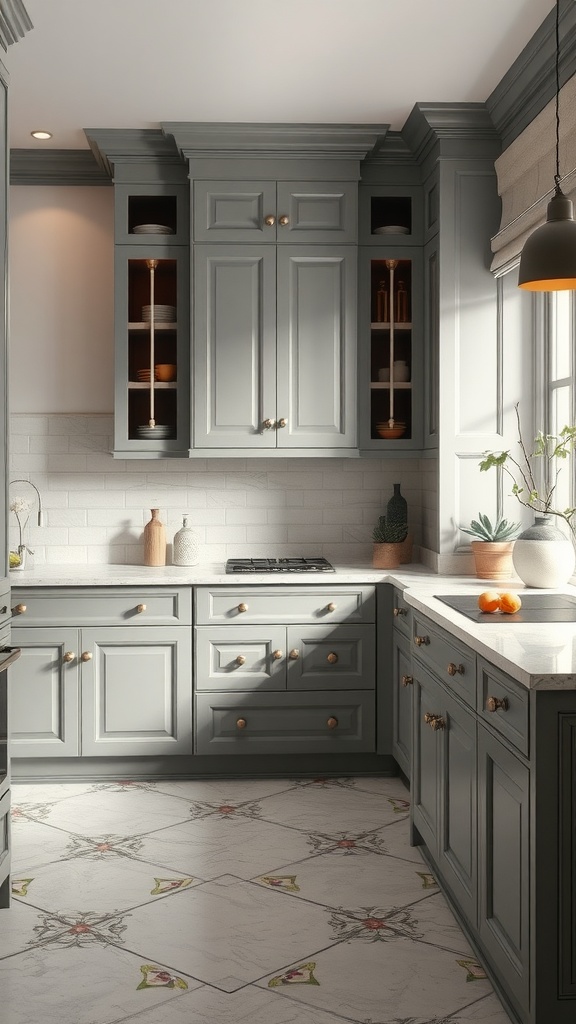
{"x":186,"y":549}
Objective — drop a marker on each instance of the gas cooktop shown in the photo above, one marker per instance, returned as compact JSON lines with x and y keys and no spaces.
{"x":278,"y":565}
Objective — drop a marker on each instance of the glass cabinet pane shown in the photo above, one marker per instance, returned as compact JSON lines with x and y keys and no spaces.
{"x":391,"y":350}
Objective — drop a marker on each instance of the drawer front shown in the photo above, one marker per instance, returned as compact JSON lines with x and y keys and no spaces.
{"x":321,"y":605}
{"x":503,"y":705}
{"x":337,"y":658}
{"x":4,"y":605}
{"x":452,"y":662}
{"x":303,"y":723}
{"x":240,"y":658}
{"x":402,"y":613}
{"x":102,"y":606}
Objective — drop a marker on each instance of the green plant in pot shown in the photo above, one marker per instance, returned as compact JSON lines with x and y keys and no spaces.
{"x":492,"y":547}
{"x":388,"y":536}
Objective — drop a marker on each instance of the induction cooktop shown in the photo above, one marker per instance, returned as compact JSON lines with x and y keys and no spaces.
{"x":535,"y":608}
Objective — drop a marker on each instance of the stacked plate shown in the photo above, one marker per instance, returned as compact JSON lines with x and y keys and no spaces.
{"x":162,"y":314}
{"x":157,"y":433}
{"x":152,"y":229}
{"x":144,"y":376}
{"x":392,"y":229}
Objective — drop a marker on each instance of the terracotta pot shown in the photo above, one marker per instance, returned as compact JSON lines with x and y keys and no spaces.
{"x":493,"y":559}
{"x":386,"y":556}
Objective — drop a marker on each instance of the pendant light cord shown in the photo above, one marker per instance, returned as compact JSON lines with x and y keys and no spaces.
{"x":557,"y":175}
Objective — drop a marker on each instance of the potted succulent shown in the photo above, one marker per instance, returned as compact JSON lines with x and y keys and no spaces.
{"x":388,"y":536}
{"x":492,"y":547}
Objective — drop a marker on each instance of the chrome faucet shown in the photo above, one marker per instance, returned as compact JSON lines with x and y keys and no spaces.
{"x":40,"y":512}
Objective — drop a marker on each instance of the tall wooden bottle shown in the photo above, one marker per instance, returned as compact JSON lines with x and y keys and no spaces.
{"x":154,"y":540}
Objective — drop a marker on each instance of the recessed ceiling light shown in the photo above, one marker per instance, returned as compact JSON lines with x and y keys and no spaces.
{"x":41,"y":135}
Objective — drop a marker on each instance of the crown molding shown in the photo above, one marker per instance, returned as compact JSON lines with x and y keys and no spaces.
{"x":246,"y":140}
{"x":55,"y":167}
{"x":14,"y":22}
{"x":131,"y":146}
{"x":454,"y":130}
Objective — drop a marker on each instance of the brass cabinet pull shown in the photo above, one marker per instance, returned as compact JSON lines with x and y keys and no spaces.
{"x":240,"y":659}
{"x":332,"y":722}
{"x":268,"y":424}
{"x":399,"y":611}
{"x":332,"y":658}
{"x":270,"y":220}
{"x":68,"y":656}
{"x":294,"y":654}
{"x":140,"y":608}
{"x":276,"y":655}
{"x":86,"y":655}
{"x":434,"y":721}
{"x":241,"y":723}
{"x":421,"y":641}
{"x":407,"y":680}
{"x":455,"y":669}
{"x":242,"y":607}
{"x":283,"y":220}
{"x":20,"y":609}
{"x":282,"y":422}
{"x":331,"y":607}
{"x":497,"y":704}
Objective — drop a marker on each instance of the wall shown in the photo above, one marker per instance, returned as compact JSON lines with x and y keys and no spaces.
{"x":61,"y":383}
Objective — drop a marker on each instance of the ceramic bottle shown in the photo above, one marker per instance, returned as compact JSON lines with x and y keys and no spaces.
{"x":185,"y":550}
{"x":154,"y":540}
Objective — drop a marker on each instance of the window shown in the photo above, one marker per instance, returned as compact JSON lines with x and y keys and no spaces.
{"x":556,"y":397}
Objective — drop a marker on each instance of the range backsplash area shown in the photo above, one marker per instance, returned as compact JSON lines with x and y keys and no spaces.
{"x":95,"y":507}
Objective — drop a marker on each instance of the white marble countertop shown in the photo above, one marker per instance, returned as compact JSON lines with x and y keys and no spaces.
{"x":538,"y":655}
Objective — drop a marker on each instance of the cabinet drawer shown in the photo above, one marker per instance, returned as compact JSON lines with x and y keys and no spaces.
{"x":240,"y":658}
{"x":503,"y":705}
{"x":305,"y":723}
{"x":452,"y":662}
{"x":324,"y":658}
{"x":402,"y":613}
{"x":321,"y":605}
{"x":102,"y":606}
{"x":4,"y":604}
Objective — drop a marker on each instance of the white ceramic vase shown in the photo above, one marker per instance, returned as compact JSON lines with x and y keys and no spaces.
{"x":543,"y":556}
{"x":186,"y":549}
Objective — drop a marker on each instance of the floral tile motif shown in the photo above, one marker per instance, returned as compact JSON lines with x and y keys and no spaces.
{"x":473,"y":969}
{"x":400,"y":806}
{"x":122,"y":786}
{"x":373,"y":924}
{"x":286,"y":882}
{"x":324,"y":783}
{"x":29,"y":811}
{"x":35,"y":845}
{"x":428,"y":880}
{"x":80,"y":929}
{"x":225,"y":810}
{"x":164,"y":885}
{"x":155,"y":977}
{"x":108,"y":810}
{"x":348,"y":843}
{"x":301,"y":975}
{"x":20,"y":886}
{"x":104,"y":846}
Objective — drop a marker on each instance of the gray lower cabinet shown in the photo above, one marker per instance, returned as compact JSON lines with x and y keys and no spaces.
{"x":102,"y":689}
{"x":402,"y":682}
{"x":275,"y":347}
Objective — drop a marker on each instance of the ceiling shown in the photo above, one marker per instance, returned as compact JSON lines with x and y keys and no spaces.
{"x":137,"y":63}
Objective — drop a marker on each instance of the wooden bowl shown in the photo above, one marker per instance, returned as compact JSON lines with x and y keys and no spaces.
{"x":383,"y":430}
{"x":165,"y":371}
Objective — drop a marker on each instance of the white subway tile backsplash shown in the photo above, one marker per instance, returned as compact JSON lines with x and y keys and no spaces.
{"x":96,"y":506}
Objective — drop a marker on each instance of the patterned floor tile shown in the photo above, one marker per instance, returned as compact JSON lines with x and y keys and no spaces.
{"x":17,"y":929}
{"x":47,"y":792}
{"x":438,"y":925}
{"x":224,"y":791}
{"x":35,"y":843}
{"x":227,"y":932}
{"x":488,"y":1010}
{"x":331,"y":809}
{"x":105,"y":811}
{"x":84,"y":985}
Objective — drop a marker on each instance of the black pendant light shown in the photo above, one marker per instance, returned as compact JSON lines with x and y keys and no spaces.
{"x":548,"y":260}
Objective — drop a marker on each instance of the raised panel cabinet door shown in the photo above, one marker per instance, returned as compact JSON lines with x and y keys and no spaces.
{"x":426,"y":760}
{"x":316,"y":365}
{"x":240,"y":658}
{"x":234,"y":211}
{"x":457,"y":851}
{"x":5,"y":850}
{"x":402,"y":702}
{"x":320,"y":212}
{"x":504,"y":869}
{"x":44,"y":693}
{"x":335,"y":657}
{"x":136,"y":691}
{"x":234,"y":347}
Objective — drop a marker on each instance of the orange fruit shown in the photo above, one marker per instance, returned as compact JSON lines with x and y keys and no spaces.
{"x":510,"y":603}
{"x":489,"y":601}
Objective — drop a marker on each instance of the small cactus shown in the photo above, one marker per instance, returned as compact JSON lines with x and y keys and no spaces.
{"x":482,"y":529}
{"x":386,"y":532}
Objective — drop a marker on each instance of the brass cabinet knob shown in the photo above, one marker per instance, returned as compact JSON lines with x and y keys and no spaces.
{"x":68,"y":656}
{"x":398,"y":611}
{"x":86,"y":655}
{"x":331,"y":607}
{"x":20,"y":609}
{"x":283,"y":220}
{"x":241,"y":723}
{"x":407,"y":680}
{"x":242,"y":607}
{"x":434,"y":721}
{"x":240,"y":659}
{"x":268,"y":424}
{"x":294,"y":654}
{"x":421,"y":641}
{"x":140,"y":608}
{"x":270,"y":220}
{"x":332,"y":658}
{"x":332,"y":722}
{"x":454,"y":670}
{"x":276,"y":655}
{"x":282,"y":421}
{"x":497,"y":704}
